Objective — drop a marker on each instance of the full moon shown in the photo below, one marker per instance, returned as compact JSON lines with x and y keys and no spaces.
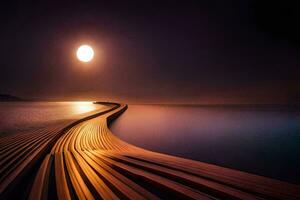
{"x":85,"y":53}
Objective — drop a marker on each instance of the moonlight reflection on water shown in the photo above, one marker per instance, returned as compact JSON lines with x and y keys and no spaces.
{"x":18,"y":116}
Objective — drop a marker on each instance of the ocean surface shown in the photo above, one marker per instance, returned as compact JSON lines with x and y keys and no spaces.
{"x":264,"y":140}
{"x":22,"y":116}
{"x":260,"y":140}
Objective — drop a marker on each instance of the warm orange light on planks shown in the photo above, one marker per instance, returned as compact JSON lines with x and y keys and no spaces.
{"x":85,"y":53}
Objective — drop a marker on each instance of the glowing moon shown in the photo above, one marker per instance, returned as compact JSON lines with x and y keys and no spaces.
{"x":85,"y":53}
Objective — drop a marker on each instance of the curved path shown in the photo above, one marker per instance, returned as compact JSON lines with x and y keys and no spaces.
{"x":89,"y":162}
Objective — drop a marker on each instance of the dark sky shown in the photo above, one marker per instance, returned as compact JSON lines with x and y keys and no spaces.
{"x":209,"y":52}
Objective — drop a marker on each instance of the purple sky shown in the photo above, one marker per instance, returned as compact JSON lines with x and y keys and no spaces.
{"x":217,"y":52}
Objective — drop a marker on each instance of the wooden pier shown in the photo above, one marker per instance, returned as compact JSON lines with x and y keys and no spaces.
{"x":82,"y":159}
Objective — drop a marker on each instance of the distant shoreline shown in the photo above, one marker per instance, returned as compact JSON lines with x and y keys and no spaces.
{"x":9,"y":98}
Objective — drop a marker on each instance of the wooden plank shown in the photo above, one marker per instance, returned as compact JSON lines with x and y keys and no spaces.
{"x":168,"y":184}
{"x":100,"y":186}
{"x":62,"y":188}
{"x":40,"y":186}
{"x":119,"y":176}
{"x":78,"y":183}
{"x":220,"y":190}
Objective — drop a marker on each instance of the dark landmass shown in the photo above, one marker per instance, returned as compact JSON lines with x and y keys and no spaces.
{"x":7,"y":97}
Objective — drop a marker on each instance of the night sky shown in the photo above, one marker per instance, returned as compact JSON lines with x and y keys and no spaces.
{"x":216,"y":52}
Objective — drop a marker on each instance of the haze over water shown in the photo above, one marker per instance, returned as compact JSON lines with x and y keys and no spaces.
{"x":260,"y":140}
{"x":20,"y":116}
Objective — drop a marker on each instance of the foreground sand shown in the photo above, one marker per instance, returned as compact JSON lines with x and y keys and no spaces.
{"x":84,"y":160}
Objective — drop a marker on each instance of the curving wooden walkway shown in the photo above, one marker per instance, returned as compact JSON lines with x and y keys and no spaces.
{"x":88,"y":162}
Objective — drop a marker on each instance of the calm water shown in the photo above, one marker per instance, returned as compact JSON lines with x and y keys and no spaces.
{"x":264,"y":141}
{"x":19,"y":116}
